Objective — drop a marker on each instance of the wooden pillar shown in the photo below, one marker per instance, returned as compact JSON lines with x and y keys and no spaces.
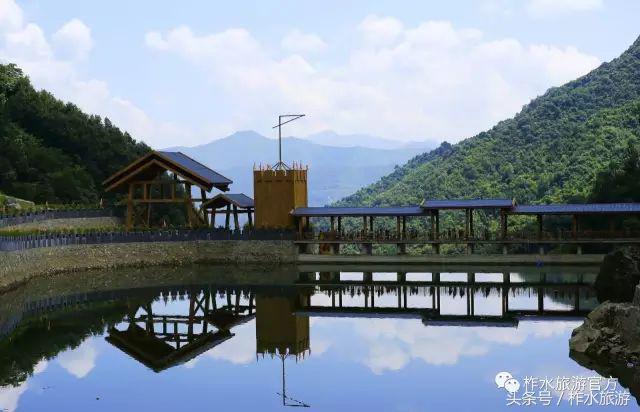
{"x":471,"y":232}
{"x":250,"y":218}
{"x":213,"y":218}
{"x":130,"y":208}
{"x":433,"y":226}
{"x":227,"y":221}
{"x":503,"y":225}
{"x":404,"y":227}
{"x":364,"y":224}
{"x":371,"y":224}
{"x":398,"y":232}
{"x":612,"y":227}
{"x":437,"y":231}
{"x":333,"y":223}
{"x":539,"y":217}
{"x":574,"y":226}
{"x":236,"y":222}
{"x":339,"y":224}
{"x":466,"y":223}
{"x":188,"y":205}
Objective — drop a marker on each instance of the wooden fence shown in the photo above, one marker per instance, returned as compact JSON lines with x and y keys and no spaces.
{"x":8,"y":220}
{"x":13,"y":243}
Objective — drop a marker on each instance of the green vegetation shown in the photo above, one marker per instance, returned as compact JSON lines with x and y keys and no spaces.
{"x":621,"y":181}
{"x":52,"y":151}
{"x":552,"y":151}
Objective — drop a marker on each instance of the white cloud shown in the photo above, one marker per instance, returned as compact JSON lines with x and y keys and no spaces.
{"x":402,"y":82}
{"x":51,"y":64}
{"x":73,"y":39}
{"x":553,"y":8}
{"x":79,"y":361}
{"x":298,"y":42}
{"x":10,"y":395}
{"x":380,"y":30}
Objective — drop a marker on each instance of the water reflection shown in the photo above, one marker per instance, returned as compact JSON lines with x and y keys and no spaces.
{"x":383,"y":320}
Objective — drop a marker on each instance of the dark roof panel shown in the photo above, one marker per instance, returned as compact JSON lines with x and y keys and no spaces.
{"x":239,"y":199}
{"x":468,"y":203}
{"x":569,"y":209}
{"x":358,"y":211}
{"x":203,"y":171}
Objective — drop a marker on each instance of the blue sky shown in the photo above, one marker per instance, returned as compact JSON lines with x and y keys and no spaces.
{"x":190,"y":72}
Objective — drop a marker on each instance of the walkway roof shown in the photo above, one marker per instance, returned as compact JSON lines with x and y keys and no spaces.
{"x":155,"y":162}
{"x":468,"y":204}
{"x":358,"y":211}
{"x":574,"y":209}
{"x":223,"y":199}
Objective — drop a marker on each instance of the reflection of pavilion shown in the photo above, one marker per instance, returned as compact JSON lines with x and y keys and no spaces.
{"x":161,"y":341}
{"x":430,"y":311}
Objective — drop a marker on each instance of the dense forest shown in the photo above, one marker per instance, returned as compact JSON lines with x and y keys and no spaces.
{"x":552,"y":151}
{"x":51,"y":150}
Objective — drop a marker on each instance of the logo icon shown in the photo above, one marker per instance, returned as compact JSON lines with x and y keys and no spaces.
{"x":507,"y":382}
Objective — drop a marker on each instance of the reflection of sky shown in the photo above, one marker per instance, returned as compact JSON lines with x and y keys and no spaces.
{"x":369,"y":364}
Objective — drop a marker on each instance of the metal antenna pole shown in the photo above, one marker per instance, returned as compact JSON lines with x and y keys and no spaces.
{"x":279,"y":139}
{"x":281,"y":165}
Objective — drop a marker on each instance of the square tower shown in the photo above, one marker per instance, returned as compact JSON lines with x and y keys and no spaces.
{"x":276,"y":193}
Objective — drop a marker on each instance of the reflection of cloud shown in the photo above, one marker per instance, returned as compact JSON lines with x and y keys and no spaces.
{"x":393,"y":343}
{"x":241,"y":349}
{"x":10,"y":395}
{"x":40,"y":366}
{"x":191,"y":364}
{"x":79,"y":361}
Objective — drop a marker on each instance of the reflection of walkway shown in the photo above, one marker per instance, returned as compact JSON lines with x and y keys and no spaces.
{"x":161,"y":341}
{"x":430,"y":310}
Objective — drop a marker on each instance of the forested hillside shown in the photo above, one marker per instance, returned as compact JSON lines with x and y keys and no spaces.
{"x":551,"y":151}
{"x":51,"y":150}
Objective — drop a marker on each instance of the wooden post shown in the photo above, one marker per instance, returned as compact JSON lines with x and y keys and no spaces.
{"x":466,"y":224}
{"x":250,"y":218}
{"x":236,"y":222}
{"x":471,"y":234}
{"x":333,"y":223}
{"x":227,"y":222}
{"x":339,"y":224}
{"x":213,"y":218}
{"x":574,"y":226}
{"x":503,"y":225}
{"x":404,"y":227}
{"x":539,"y":217}
{"x":130,"y":208}
{"x":364,"y":224}
{"x":371,"y":224}
{"x":398,"y":227}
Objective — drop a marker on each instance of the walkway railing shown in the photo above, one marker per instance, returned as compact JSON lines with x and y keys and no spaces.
{"x":38,"y":216}
{"x":13,"y":243}
{"x":454,"y":236}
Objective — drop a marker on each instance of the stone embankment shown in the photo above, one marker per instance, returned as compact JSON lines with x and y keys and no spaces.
{"x":18,"y":267}
{"x":609,"y":339}
{"x":104,"y":222}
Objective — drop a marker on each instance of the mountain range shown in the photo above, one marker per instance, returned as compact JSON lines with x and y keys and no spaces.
{"x":335,"y":171}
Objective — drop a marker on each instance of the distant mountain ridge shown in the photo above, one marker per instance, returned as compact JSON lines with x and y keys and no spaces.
{"x":549,"y":152}
{"x":334,"y":171}
{"x":331,"y":138}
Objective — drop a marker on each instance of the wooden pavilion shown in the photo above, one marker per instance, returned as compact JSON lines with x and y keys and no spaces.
{"x":162,"y":177}
{"x":230,"y":204}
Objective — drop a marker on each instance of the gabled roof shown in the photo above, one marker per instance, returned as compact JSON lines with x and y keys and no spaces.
{"x":154,"y":162}
{"x":223,"y":199}
{"x":468,"y":204}
{"x":358,"y":211}
{"x":571,"y":209}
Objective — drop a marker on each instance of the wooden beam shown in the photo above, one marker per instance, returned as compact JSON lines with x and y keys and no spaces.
{"x":333,"y":222}
{"x":227,"y":223}
{"x":339,"y":224}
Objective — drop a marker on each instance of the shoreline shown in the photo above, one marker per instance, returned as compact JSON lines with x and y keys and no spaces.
{"x":19,"y":267}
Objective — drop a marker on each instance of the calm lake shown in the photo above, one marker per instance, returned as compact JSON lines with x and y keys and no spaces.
{"x":340,"y":338}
